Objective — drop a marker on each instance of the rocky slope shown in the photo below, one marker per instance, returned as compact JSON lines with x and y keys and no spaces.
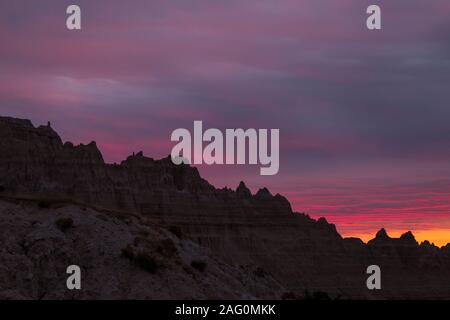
{"x":121,"y":257}
{"x":290,"y":251}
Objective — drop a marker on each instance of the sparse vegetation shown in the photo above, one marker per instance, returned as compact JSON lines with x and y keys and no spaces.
{"x":128,"y":252}
{"x":188,"y":270}
{"x":144,"y":260}
{"x":167,"y":248}
{"x":64,"y":224}
{"x":199,"y":265}
{"x":147,"y":262}
{"x":176,"y":230}
{"x":44,"y":204}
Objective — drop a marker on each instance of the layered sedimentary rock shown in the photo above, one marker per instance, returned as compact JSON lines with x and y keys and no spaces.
{"x":120,"y":258}
{"x":243,"y":229}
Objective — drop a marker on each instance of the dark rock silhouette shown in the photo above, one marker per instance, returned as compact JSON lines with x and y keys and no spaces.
{"x":243,"y":191}
{"x":242,"y":231}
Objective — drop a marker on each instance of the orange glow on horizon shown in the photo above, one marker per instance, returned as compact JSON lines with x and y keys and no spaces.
{"x":440,"y":237}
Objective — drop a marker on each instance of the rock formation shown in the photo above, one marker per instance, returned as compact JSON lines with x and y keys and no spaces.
{"x":291,"y":252}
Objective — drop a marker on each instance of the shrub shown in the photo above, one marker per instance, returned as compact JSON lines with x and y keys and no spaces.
{"x":147,"y":262}
{"x":128,"y":252}
{"x":167,"y":248}
{"x":64,"y":224}
{"x":176,"y":230}
{"x":44,"y":204}
{"x":200,"y":265}
{"x":188,"y":270}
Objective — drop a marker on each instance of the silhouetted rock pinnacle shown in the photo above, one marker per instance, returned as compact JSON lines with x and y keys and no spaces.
{"x":263,"y":193}
{"x":243,"y":191}
{"x":382,"y":235}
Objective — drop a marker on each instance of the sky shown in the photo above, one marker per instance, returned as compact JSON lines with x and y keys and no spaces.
{"x":363,"y":115}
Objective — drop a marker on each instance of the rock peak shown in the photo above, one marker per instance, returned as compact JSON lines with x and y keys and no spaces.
{"x":382,"y":234}
{"x":242,"y":190}
{"x":16,"y":121}
{"x":408,"y":235}
{"x":263,"y":192}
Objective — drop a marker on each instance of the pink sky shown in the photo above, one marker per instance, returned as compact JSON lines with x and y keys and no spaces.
{"x":363,"y":116}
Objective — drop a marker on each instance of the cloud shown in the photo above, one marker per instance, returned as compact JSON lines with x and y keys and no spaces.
{"x":349,"y":103}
